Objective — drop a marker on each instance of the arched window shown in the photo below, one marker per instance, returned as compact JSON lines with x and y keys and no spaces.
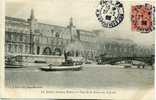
{"x":38,"y":50}
{"x":47,"y":51}
{"x":77,"y":53}
{"x":58,"y":51}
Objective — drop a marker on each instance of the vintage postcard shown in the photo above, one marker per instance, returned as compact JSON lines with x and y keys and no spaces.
{"x":76,"y":49}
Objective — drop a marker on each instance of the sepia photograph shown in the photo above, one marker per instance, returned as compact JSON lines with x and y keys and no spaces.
{"x":99,"y":45}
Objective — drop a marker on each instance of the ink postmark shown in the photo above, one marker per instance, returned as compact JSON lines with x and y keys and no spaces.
{"x":110,"y":13}
{"x":142,"y":18}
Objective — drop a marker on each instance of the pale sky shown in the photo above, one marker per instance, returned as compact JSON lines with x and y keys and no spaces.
{"x":58,"y":12}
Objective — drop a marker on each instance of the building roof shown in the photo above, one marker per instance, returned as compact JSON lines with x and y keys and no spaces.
{"x":47,"y":28}
{"x":15,"y":19}
{"x":85,"y":32}
{"x":50,"y":25}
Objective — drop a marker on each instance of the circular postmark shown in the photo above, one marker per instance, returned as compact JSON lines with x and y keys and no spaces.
{"x":110,"y":13}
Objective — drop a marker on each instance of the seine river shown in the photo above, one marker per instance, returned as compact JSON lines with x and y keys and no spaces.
{"x":91,"y":76}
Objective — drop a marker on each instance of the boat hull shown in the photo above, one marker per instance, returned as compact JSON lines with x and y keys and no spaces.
{"x":73,"y":68}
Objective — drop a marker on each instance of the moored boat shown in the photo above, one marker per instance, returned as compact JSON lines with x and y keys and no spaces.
{"x":61,"y":68}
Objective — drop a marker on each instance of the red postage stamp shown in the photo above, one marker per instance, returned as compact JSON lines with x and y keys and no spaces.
{"x":142,"y":18}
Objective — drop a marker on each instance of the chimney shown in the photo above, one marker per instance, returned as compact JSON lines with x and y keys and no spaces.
{"x":32,"y":14}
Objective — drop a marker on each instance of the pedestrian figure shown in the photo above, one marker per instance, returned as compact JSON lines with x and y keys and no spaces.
{"x":50,"y":66}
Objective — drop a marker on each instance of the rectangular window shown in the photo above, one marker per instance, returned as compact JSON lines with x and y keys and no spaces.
{"x":9,"y":47}
{"x":15,"y":49}
{"x":21,"y":48}
{"x":24,"y":38}
{"x":27,"y":38}
{"x":47,"y":41}
{"x":54,"y":42}
{"x":61,"y":42}
{"x":26,"y":48}
{"x":21,"y":37}
{"x":51,"y":41}
{"x":14,"y":37}
{"x":6,"y":37}
{"x":11,"y":37}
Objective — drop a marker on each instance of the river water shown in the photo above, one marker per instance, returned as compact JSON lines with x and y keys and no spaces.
{"x":91,"y":76}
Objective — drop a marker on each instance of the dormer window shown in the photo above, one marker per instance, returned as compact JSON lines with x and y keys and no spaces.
{"x":57,"y":35}
{"x":52,"y":31}
{"x":37,"y":31}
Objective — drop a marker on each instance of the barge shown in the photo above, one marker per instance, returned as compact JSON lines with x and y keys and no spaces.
{"x":61,"y":68}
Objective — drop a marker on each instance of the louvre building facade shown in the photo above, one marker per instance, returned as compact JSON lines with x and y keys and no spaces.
{"x":35,"y":38}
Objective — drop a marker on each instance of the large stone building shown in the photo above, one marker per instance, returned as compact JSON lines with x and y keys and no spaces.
{"x":35,"y":38}
{"x":124,"y":48}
